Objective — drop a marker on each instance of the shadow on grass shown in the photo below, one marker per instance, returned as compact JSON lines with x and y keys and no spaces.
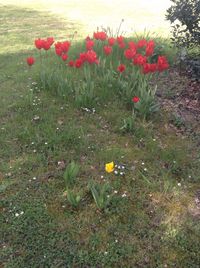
{"x":20,"y":26}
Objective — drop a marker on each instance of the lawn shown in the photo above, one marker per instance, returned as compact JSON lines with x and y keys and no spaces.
{"x":153,"y":217}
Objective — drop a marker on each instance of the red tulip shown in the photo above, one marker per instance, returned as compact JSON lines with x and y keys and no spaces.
{"x":121,"y":68}
{"x":150,"y":48}
{"x":30,"y":61}
{"x":135,"y":99}
{"x":139,"y":59}
{"x":71,"y":63}
{"x":78,"y":63}
{"x":111,"y":41}
{"x":162,"y":63}
{"x":89,"y":44}
{"x":129,"y":53}
{"x":64,"y":57}
{"x":107,"y":50}
{"x":100,"y":36}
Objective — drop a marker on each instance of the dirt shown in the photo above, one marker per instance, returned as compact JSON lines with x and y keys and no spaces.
{"x":180,"y":96}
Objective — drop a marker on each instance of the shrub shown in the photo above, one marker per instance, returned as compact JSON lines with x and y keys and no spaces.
{"x":185,"y":17}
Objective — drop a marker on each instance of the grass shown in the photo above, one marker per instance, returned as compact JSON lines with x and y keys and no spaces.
{"x":41,"y":133}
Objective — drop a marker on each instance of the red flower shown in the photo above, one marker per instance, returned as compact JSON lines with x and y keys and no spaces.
{"x":62,"y":46}
{"x":141,"y":43}
{"x":58,"y":51}
{"x":100,"y":36}
{"x":139,"y":59}
{"x":89,"y":44}
{"x":71,"y":63}
{"x":78,"y":63}
{"x":121,"y":68}
{"x":64,"y":57}
{"x":91,"y":56}
{"x":39,"y":43}
{"x":120,"y":39}
{"x":107,"y":50}
{"x":65,"y":46}
{"x":122,"y":45}
{"x":129,"y":53}
{"x":83,"y":57}
{"x":30,"y":61}
{"x":46,"y":45}
{"x":149,"y":68}
{"x":50,"y":40}
{"x":111,"y":41}
{"x":162,"y":63}
{"x":135,"y":99}
{"x":132,"y":45}
{"x":150,"y":48}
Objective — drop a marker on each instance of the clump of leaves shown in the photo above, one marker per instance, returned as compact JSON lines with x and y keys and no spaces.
{"x":73,"y":198}
{"x":100,"y":194}
{"x":71,"y":173}
{"x":128,"y":125}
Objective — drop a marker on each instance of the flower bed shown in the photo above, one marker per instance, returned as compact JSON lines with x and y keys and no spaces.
{"x":101,"y":68}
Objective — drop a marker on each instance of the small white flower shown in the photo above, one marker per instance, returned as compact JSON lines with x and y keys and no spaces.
{"x":32,"y":142}
{"x":143,"y":163}
{"x":108,"y":195}
{"x":115,"y":192}
{"x":106,"y":253}
{"x":16,"y":214}
{"x":179,"y":184}
{"x":34,"y":151}
{"x":121,"y":173}
{"x":154,"y":139}
{"x":123,"y":167}
{"x":45,"y":143}
{"x":189,"y":176}
{"x":116,"y":172}
{"x":145,"y":169}
{"x":102,"y":176}
{"x":116,"y":241}
{"x":124,"y":195}
{"x":22,"y":212}
{"x":34,"y":178}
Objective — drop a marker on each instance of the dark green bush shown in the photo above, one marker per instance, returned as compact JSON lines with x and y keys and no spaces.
{"x":184,"y":16}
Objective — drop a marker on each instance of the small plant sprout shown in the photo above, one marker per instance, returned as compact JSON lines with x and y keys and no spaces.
{"x":73,"y":198}
{"x":100,"y":194}
{"x":71,"y":173}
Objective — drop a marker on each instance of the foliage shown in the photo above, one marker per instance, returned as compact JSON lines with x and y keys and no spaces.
{"x":73,"y":198}
{"x":185,"y":17}
{"x":100,"y":194}
{"x":70,"y":173}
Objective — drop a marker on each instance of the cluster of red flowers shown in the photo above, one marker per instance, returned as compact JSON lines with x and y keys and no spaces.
{"x":62,"y":48}
{"x":44,"y":43}
{"x":138,"y":52}
{"x":90,"y":56}
{"x":100,"y":36}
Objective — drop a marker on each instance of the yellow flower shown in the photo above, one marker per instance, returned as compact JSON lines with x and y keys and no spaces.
{"x":109,"y":167}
